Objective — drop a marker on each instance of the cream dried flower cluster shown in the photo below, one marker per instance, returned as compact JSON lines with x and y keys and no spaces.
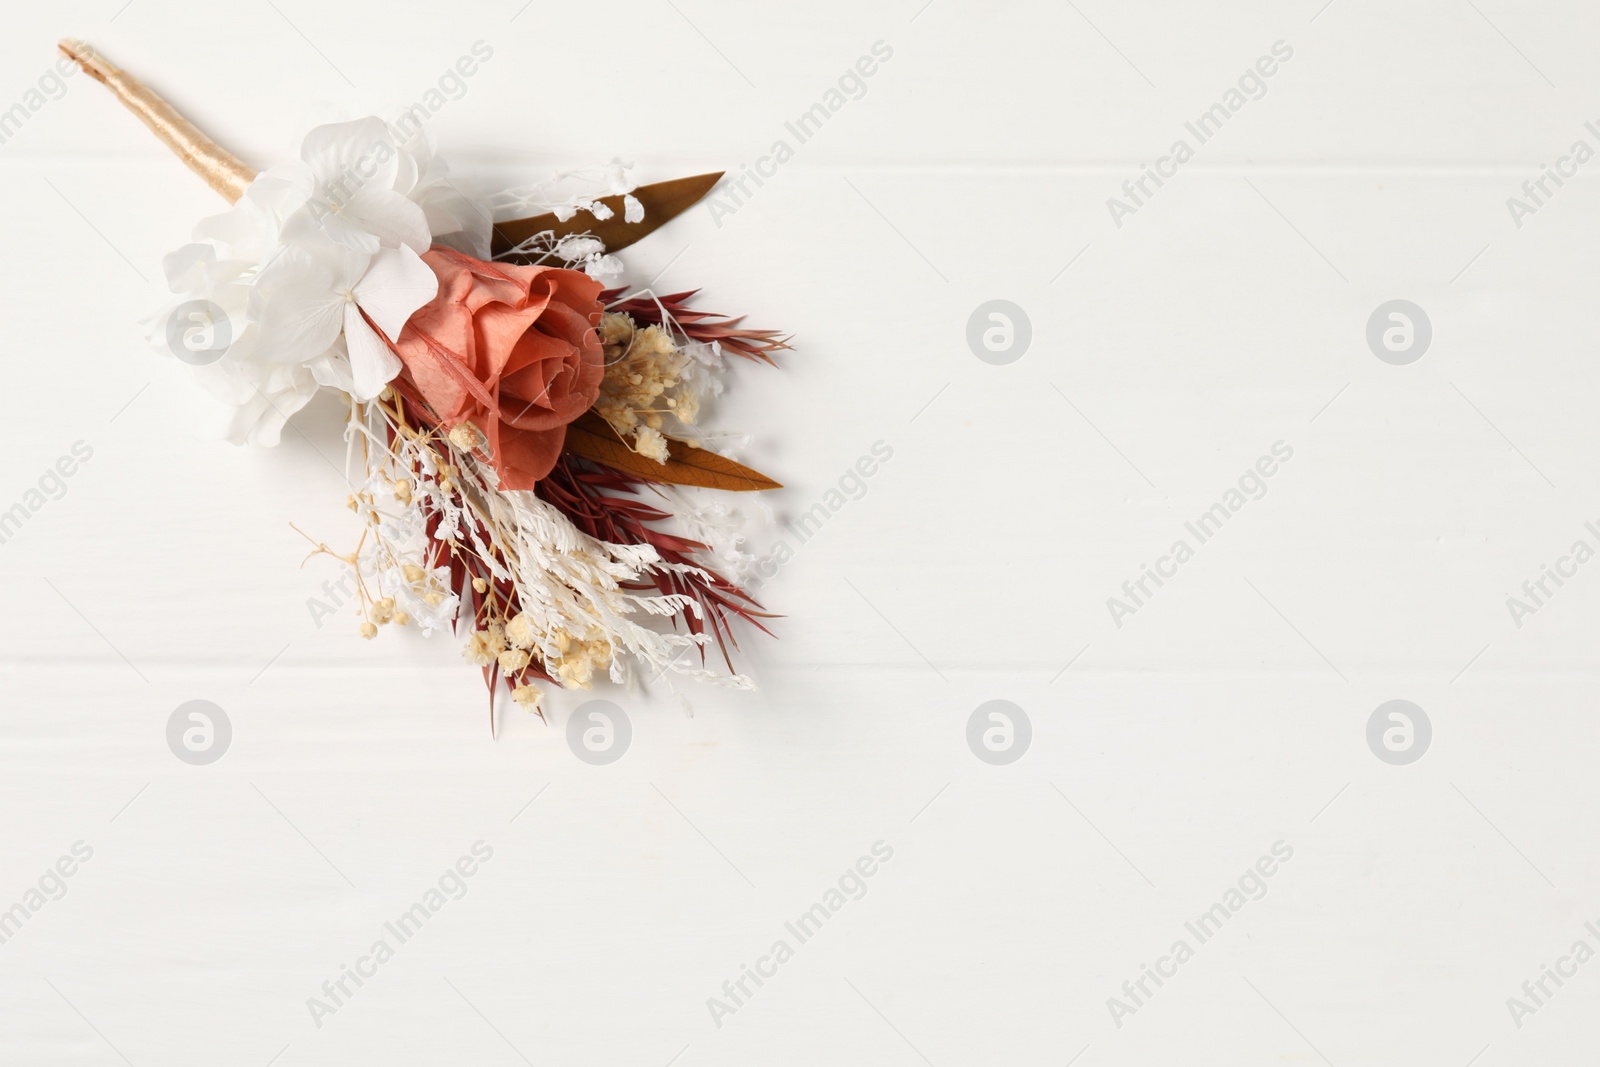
{"x":648,"y":382}
{"x":511,"y":644}
{"x":389,"y":557}
{"x":506,"y":646}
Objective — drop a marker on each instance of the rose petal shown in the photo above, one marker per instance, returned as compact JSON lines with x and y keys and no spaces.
{"x":525,"y":456}
{"x":511,"y":349}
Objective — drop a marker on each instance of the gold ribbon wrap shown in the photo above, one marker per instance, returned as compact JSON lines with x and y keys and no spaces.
{"x":221,"y":169}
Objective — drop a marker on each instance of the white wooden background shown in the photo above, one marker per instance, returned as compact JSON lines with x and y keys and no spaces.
{"x":1167,"y":755}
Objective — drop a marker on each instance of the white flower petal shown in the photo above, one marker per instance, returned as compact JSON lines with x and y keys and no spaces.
{"x":318,"y":223}
{"x":332,"y":368}
{"x":344,"y":155}
{"x":261,"y":413}
{"x":390,"y":217}
{"x":454,"y":219}
{"x":356,"y":166}
{"x":396,"y":284}
{"x":279,"y":190}
{"x":299,"y":320}
{"x":372,"y":365}
{"x":186,"y":266}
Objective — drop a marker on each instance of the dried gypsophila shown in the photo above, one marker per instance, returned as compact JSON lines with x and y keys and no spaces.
{"x":571,"y":609}
{"x":573,"y":251}
{"x":649,"y":385}
{"x":567,"y":192}
{"x":396,"y":580}
{"x":581,"y":596}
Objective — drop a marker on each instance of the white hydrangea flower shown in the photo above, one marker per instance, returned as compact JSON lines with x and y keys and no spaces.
{"x":298,"y":279}
{"x":306,"y":297}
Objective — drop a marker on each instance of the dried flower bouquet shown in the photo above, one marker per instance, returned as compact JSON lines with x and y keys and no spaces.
{"x":516,"y":429}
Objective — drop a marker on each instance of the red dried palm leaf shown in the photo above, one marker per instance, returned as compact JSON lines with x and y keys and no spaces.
{"x":601,"y":502}
{"x":703,"y":326}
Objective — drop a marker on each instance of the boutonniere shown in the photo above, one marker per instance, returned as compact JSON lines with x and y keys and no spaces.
{"x":517,"y":430}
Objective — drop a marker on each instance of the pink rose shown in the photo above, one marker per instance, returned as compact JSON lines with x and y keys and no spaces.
{"x":510,"y":350}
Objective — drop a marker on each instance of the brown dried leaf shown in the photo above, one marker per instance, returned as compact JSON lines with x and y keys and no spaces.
{"x":663,"y":201}
{"x":592,"y":437}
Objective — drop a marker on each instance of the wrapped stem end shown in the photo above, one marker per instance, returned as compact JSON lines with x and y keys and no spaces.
{"x":221,"y":169}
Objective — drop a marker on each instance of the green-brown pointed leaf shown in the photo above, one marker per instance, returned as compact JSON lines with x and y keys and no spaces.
{"x":593,"y":438}
{"x":663,"y":202}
